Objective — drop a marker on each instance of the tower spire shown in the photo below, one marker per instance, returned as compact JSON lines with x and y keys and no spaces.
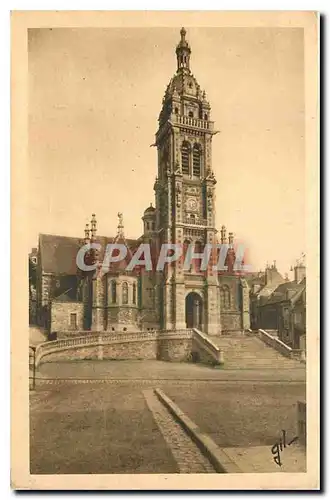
{"x":120,"y":227}
{"x":183,"y":52}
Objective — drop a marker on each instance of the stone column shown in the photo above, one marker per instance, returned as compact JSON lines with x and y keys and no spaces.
{"x":98,"y":304}
{"x":212,"y":326}
{"x":245,"y":311}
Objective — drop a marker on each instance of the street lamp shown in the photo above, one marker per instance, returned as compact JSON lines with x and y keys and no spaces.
{"x":34,"y":367}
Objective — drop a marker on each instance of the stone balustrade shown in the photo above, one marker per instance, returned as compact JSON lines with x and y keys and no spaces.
{"x":210,"y":347}
{"x":161,"y":344}
{"x":192,"y":122}
{"x":195,"y":221}
{"x":280,"y":346}
{"x":90,"y":340}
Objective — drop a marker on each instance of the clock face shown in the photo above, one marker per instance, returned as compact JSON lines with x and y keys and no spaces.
{"x":192,"y":204}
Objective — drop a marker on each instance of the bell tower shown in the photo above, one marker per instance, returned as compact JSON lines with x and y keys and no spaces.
{"x":185,"y":189}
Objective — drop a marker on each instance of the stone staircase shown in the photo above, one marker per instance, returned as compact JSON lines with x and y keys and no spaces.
{"x":248,"y":352}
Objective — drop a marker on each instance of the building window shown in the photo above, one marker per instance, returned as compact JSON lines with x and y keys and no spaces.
{"x":186,"y":244}
{"x":205,"y":117}
{"x":196,"y":161}
{"x":125,"y":293}
{"x":198,"y":248}
{"x":185,"y":151}
{"x":134,"y":293}
{"x":73,"y":321}
{"x":176,"y":111}
{"x":225,"y":297}
{"x":191,"y":114}
{"x":113,"y":292}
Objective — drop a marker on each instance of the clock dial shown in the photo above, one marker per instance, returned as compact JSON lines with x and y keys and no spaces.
{"x":192,"y":204}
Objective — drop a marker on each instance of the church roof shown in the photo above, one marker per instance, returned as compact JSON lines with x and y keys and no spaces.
{"x":150,"y":209}
{"x":58,"y":253}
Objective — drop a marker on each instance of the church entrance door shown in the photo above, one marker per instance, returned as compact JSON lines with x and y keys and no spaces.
{"x":194,"y":311}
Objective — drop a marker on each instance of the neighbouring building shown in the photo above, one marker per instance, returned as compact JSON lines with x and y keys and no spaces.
{"x":184,"y":213}
{"x":279,"y":305}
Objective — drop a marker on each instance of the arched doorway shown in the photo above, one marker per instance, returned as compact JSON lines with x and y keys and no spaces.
{"x":194,"y":310}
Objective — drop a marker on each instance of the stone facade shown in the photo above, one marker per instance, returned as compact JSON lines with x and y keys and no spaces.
{"x":67,"y":316}
{"x":184,"y":213}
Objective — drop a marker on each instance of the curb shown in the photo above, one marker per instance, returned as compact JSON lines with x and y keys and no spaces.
{"x":218,"y":458}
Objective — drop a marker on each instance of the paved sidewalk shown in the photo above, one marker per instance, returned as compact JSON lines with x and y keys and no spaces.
{"x":260,"y":459}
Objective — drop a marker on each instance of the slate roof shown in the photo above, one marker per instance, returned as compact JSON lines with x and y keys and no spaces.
{"x":58,"y":253}
{"x":280,"y":293}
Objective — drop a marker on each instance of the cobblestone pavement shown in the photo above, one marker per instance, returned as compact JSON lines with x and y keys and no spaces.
{"x":185,"y":452}
{"x":161,"y":370}
{"x":102,"y":426}
{"x":40,"y":382}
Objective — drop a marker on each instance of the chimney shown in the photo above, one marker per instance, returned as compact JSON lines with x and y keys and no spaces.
{"x":289,"y":293}
{"x":299,"y":273}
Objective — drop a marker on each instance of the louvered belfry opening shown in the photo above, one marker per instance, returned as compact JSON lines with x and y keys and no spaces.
{"x":196,"y":161}
{"x":185,"y":150}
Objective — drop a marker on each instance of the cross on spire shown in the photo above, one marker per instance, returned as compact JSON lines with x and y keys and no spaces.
{"x":183,"y":52}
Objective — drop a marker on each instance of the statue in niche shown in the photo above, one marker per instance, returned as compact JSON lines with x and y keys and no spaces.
{"x":210,"y":200}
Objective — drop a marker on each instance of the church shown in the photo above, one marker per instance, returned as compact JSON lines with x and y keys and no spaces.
{"x":70,"y":301}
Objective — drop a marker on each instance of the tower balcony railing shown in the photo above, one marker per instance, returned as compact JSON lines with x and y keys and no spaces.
{"x":195,"y":221}
{"x":192,"y":122}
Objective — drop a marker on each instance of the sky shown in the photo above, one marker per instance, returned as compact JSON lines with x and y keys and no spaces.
{"x":94,"y":99}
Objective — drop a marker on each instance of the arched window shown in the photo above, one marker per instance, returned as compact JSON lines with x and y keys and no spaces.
{"x":225,"y":297}
{"x":198,"y":248}
{"x":186,"y":244}
{"x":124,"y":293}
{"x":113,"y":292}
{"x":185,"y":152}
{"x":191,"y":114}
{"x":196,"y":161}
{"x":134,"y":293}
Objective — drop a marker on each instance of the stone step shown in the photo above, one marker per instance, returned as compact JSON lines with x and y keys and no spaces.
{"x":248,"y":352}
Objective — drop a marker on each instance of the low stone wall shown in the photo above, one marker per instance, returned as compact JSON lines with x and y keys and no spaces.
{"x":180,"y":345}
{"x":139,"y":345}
{"x":129,"y":350}
{"x":172,"y":349}
{"x":231,"y":321}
